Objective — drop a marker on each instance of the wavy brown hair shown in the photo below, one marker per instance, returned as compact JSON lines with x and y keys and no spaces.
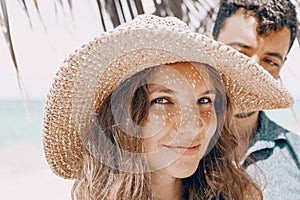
{"x":115,"y":168}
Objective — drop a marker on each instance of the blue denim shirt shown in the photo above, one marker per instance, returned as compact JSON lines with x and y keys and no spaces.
{"x":276,"y":152}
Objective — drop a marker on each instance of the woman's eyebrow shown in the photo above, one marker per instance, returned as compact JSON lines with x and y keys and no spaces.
{"x":208,"y":92}
{"x":161,"y":89}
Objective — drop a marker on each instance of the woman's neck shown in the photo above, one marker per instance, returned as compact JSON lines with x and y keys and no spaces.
{"x":166,"y":187}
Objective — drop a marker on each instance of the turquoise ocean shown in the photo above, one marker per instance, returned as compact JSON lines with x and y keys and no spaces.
{"x":17,"y":125}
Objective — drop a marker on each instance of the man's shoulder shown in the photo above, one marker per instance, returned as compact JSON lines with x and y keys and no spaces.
{"x":294,"y":141}
{"x":270,"y":135}
{"x":275,"y":144}
{"x":293,"y":136}
{"x":268,"y":130}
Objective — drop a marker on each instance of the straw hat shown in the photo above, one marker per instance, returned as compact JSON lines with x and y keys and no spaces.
{"x":91,"y":73}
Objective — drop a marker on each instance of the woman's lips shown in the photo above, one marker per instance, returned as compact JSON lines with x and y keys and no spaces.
{"x":185,"y":150}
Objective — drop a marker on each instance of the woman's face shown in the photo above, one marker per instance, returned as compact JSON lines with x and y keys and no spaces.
{"x":181,"y":120}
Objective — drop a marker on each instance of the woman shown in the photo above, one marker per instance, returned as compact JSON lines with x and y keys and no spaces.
{"x":139,"y":114}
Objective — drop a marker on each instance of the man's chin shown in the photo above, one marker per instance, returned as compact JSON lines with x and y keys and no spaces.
{"x":244,"y":115}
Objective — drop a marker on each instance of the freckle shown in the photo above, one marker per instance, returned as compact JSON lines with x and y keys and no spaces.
{"x":168,"y":163}
{"x":167,"y":82}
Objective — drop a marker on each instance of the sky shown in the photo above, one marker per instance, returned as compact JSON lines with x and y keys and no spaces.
{"x":40,"y":52}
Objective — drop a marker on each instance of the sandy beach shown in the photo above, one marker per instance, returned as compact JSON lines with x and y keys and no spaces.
{"x":25,"y":174}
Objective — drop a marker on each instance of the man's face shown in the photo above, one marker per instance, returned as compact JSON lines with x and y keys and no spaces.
{"x":239,"y":32}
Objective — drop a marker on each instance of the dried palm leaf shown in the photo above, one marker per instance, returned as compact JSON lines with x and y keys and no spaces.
{"x":70,"y":5}
{"x":25,"y":8}
{"x":110,"y":6}
{"x":101,"y":14}
{"x":2,"y":24}
{"x":139,"y":6}
{"x":61,"y":3}
{"x":8,"y":39}
{"x":55,"y":8}
{"x":130,"y":9}
{"x":7,"y":34}
{"x":39,"y":14}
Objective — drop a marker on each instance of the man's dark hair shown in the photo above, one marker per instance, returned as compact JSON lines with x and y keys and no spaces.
{"x":271,"y":15}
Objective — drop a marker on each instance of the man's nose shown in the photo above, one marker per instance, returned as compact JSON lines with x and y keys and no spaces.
{"x":255,"y":58}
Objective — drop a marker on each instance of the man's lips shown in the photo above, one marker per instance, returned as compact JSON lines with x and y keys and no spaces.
{"x":244,"y":115}
{"x":184,"y":150}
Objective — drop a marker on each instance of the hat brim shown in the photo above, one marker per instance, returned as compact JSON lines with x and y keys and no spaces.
{"x":94,"y":71}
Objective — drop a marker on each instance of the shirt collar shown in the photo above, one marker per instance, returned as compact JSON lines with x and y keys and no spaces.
{"x":266,"y":135}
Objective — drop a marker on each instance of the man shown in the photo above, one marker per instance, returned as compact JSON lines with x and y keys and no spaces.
{"x":264,"y":30}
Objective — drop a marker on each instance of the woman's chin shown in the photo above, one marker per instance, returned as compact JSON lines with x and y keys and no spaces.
{"x":181,"y":169}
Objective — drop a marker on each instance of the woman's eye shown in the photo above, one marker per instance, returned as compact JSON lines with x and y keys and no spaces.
{"x":161,"y":100}
{"x":204,"y":100}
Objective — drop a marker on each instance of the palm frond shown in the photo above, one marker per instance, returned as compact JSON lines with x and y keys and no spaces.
{"x":139,"y":6}
{"x":199,"y":15}
{"x":39,"y":14}
{"x":7,"y":34}
{"x":110,"y":6}
{"x":187,"y":10}
{"x":61,"y":3}
{"x":130,"y":9}
{"x":2,"y":24}
{"x":8,"y":39}
{"x":101,"y":14}
{"x":121,"y":9}
{"x":70,"y":5}
{"x":25,"y":8}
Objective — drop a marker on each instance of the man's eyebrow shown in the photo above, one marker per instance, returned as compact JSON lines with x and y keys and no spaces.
{"x":274,"y":54}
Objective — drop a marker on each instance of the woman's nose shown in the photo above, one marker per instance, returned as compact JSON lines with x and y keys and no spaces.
{"x":188,"y":119}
